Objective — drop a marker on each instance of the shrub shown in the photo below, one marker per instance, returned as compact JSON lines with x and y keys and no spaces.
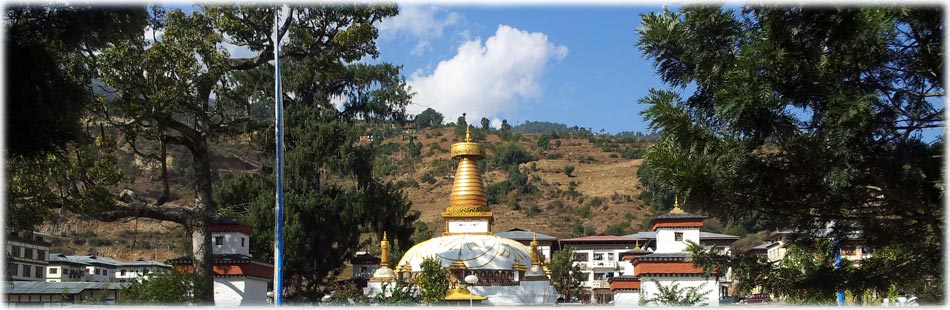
{"x":553,"y":155}
{"x":427,"y":177}
{"x":584,"y":212}
{"x":511,"y":155}
{"x":568,"y":170}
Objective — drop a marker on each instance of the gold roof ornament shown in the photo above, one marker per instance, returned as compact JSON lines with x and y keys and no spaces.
{"x":384,"y":253}
{"x":467,"y":198}
{"x":638,"y":245}
{"x":519,"y":266}
{"x":534,"y":250}
{"x":676,"y":205}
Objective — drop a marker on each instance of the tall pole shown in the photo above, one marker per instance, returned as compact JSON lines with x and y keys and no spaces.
{"x":839,"y":295}
{"x":279,"y":130}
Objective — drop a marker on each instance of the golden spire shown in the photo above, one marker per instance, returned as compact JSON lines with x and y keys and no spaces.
{"x":676,"y":205}
{"x":534,"y":250}
{"x":638,"y":245}
{"x":468,"y":134}
{"x":384,"y":245}
{"x":467,"y":198}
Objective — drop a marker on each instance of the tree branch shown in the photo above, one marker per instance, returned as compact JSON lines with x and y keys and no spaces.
{"x":166,"y":212}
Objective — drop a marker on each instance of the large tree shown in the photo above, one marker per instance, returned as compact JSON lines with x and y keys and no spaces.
{"x":179,"y":86}
{"x":807,"y":118}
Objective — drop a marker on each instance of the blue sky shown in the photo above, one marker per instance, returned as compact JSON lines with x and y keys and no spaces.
{"x":574,"y":65}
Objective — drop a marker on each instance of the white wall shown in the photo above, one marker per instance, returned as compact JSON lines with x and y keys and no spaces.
{"x":95,"y":274}
{"x":231,"y":243}
{"x":626,"y":298}
{"x":711,"y":287}
{"x":239,"y":292}
{"x":468,"y":226}
{"x":666,"y":241}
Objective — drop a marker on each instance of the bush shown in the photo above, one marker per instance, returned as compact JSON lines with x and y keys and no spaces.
{"x":556,"y":205}
{"x":568,"y":170}
{"x":596,"y":202}
{"x":584,"y":212}
{"x":427,"y":177}
{"x":553,"y":155}
{"x":532,"y":210}
{"x":511,"y":155}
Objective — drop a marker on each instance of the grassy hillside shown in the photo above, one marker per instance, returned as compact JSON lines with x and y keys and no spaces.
{"x":599,"y":196}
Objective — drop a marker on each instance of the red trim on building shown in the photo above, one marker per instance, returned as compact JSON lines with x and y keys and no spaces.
{"x":654,"y":267}
{"x":234,"y":227}
{"x":677,"y":223}
{"x":633,"y":284}
{"x":250,"y":269}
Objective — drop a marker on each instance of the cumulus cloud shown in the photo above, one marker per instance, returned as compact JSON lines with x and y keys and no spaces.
{"x":485,"y":80}
{"x":419,"y":22}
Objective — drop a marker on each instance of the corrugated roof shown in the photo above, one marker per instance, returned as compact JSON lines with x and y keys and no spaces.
{"x":677,"y":216}
{"x":521,"y":234}
{"x":702,"y":235}
{"x":145,"y":262}
{"x":764,"y":246}
{"x":28,"y":287}
{"x":603,"y":238}
{"x":94,"y":259}
{"x":59,"y":258}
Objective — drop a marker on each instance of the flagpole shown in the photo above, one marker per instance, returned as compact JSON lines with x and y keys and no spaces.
{"x":279,"y":130}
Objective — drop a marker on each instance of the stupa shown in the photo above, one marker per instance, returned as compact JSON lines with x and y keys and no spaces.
{"x":508,"y":272}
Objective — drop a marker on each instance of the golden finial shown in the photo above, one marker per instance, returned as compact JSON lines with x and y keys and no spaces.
{"x":468,"y":133}
{"x":638,"y":245}
{"x":534,"y":250}
{"x":384,"y":246}
{"x":676,"y":205}
{"x":468,"y":197}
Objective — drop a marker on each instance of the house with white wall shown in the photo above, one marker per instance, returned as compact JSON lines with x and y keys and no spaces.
{"x":141,"y":268}
{"x":669,"y":263}
{"x":239,"y":279}
{"x":26,"y":255}
{"x":62,"y":268}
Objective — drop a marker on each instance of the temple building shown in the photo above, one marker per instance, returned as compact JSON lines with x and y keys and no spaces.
{"x":670,"y":263}
{"x":507,"y":271}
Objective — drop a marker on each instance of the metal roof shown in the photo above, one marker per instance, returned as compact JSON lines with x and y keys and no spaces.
{"x":29,"y":287}
{"x":764,"y":246}
{"x":602,"y":238}
{"x":521,"y":234}
{"x":702,"y":235}
{"x":59,"y":258}
{"x":95,"y":260}
{"x":677,"y":216}
{"x":145,"y":263}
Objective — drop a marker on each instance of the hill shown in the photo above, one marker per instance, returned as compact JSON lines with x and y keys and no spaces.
{"x":599,"y":195}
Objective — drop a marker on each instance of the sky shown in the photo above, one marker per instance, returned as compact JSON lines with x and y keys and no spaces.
{"x":571,"y":64}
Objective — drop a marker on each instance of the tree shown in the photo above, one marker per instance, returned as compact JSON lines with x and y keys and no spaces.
{"x":805,"y":117}
{"x":486,"y":124}
{"x":544,"y":142}
{"x":674,"y":295}
{"x":428,"y":119}
{"x":164,"y":288}
{"x":184,"y":90}
{"x":565,"y":276}
{"x":47,"y":92}
{"x":433,"y":283}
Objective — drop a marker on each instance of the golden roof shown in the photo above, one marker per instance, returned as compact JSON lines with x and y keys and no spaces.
{"x":467,"y":198}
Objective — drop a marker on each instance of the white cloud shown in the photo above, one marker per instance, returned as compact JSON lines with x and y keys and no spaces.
{"x":422,"y":23}
{"x":487,"y":80}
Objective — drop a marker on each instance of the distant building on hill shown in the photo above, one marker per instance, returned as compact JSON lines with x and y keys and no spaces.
{"x":26,"y":256}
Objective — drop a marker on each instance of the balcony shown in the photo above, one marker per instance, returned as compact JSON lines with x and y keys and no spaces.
{"x":603,"y":264}
{"x":595,"y":284}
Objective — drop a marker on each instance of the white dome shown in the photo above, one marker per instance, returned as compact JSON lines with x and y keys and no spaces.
{"x":479,"y":252}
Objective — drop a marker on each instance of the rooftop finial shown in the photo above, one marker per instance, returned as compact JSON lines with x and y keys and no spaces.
{"x":676,"y":205}
{"x":638,"y":245}
{"x":468,"y":134}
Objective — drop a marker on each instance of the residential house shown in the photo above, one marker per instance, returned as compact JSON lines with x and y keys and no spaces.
{"x":26,"y":256}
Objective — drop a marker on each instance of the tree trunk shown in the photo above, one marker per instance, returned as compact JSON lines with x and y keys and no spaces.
{"x":201,"y":225}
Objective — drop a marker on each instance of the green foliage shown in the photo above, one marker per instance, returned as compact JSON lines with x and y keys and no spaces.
{"x":164,"y":288}
{"x":427,"y":177}
{"x":346,"y":293}
{"x":544,"y":142}
{"x":428,"y":119}
{"x":486,"y":124}
{"x":539,"y":127}
{"x":510,"y":155}
{"x":618,"y":229}
{"x":553,"y":155}
{"x":565,"y":277}
{"x":568,"y":170}
{"x":797,"y":117}
{"x":674,"y":295}
{"x":433,"y":283}
{"x":400,"y":293}
{"x":584,"y":212}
